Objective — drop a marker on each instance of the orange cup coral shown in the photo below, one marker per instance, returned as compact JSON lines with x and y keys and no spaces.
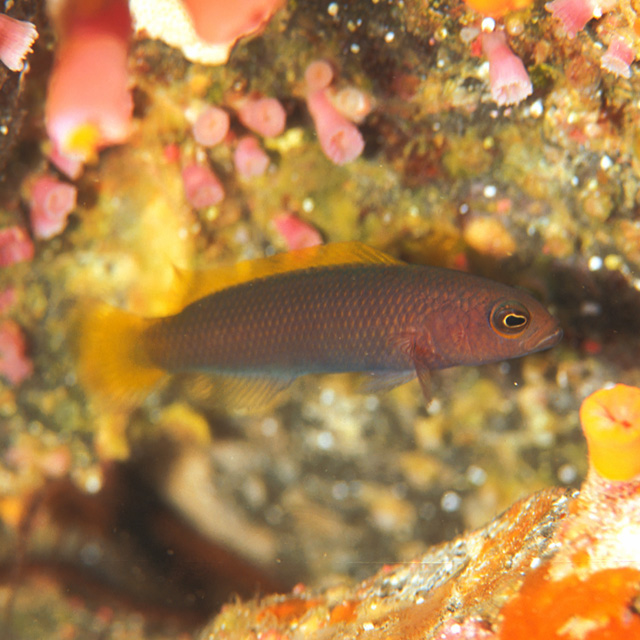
{"x":497,"y":8}
{"x":611,"y":423}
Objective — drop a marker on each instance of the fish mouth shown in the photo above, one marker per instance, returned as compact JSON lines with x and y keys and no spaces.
{"x":550,"y":340}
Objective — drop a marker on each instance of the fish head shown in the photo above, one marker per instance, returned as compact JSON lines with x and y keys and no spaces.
{"x":511,"y":326}
{"x":494,"y":324}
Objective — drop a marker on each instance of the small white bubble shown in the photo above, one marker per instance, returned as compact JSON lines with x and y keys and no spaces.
{"x":327,"y":397}
{"x":325,"y":440}
{"x":93,"y":483}
{"x":567,"y":474}
{"x":590,"y":308}
{"x":606,"y":162}
{"x":389,"y":36}
{"x":355,"y":48}
{"x":308,"y":205}
{"x":476,"y":475}
{"x":488,"y":25}
{"x":434,"y":407}
{"x":450,"y":501}
{"x":333,"y":9}
{"x":537,"y":109}
{"x":490,"y":191}
{"x":595,"y":263}
{"x":562,"y":379}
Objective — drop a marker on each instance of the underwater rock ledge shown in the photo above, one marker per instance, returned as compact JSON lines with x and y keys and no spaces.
{"x":557,"y":564}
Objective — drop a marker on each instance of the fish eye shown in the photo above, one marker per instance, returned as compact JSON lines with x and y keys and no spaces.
{"x":509,"y":319}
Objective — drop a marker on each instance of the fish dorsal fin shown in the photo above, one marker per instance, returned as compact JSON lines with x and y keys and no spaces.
{"x":205,"y":282}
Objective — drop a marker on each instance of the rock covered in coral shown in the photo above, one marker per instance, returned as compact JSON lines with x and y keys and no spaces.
{"x":556,"y":565}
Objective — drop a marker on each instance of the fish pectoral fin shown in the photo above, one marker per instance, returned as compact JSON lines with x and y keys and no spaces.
{"x":424,"y":378}
{"x":242,"y":394}
{"x":407,"y":342}
{"x":423,"y":360}
{"x":376,"y":382}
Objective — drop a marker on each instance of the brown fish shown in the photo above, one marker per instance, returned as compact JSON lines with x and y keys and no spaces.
{"x":336,"y":308}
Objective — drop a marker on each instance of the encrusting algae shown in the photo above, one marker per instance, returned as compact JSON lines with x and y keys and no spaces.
{"x":557,"y":565}
{"x":331,"y":309}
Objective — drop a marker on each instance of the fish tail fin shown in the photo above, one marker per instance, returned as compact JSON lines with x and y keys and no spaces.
{"x":111,"y":355}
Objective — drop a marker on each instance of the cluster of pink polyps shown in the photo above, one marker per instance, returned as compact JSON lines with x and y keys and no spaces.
{"x":574,"y":15}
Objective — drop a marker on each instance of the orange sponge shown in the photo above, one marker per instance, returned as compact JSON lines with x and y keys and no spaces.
{"x":497,"y":8}
{"x":611,"y":423}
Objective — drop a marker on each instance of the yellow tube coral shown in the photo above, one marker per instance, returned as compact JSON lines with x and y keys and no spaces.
{"x":611,"y":423}
{"x":497,"y":8}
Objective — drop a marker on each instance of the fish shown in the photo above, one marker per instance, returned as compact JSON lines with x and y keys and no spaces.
{"x":247,"y":331}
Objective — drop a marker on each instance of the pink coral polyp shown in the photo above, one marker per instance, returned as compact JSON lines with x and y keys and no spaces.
{"x":264,"y":116}
{"x":89,"y":105}
{"x":15,"y":246}
{"x":339,"y":138}
{"x":249,"y":158}
{"x":618,"y":58}
{"x":211,"y":127}
{"x":202,"y":187}
{"x":297,"y":233}
{"x":51,"y":203}
{"x":508,"y":78}
{"x":16,"y":38}
{"x":15,"y":366}
{"x":318,"y":75}
{"x":573,"y":14}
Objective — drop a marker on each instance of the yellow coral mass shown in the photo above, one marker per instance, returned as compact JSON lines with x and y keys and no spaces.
{"x":611,"y":423}
{"x":497,"y":8}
